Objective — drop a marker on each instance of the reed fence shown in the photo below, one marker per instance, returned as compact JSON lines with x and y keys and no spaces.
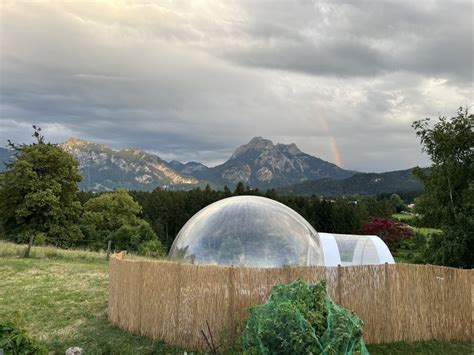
{"x":172,"y":301}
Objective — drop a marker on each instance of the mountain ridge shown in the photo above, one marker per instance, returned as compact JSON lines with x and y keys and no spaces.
{"x":104,"y":168}
{"x":262,"y":164}
{"x":358,"y":184}
{"x":259,"y":164}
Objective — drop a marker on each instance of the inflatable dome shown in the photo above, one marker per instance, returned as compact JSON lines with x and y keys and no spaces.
{"x":248,"y":231}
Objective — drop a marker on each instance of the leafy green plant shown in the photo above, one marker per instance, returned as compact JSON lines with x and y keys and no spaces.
{"x":300,"y":318}
{"x":16,"y":341}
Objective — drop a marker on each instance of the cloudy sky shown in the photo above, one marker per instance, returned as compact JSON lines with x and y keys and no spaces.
{"x":192,"y":80}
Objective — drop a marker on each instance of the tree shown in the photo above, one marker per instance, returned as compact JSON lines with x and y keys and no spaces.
{"x":114,"y":216}
{"x":396,"y":202}
{"x":239,"y":189}
{"x":390,"y":231}
{"x":38,"y":195}
{"x":448,"y":200}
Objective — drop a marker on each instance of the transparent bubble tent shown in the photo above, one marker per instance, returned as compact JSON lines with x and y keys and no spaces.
{"x":260,"y":232}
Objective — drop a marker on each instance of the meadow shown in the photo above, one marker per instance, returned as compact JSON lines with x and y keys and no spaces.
{"x":60,"y":298}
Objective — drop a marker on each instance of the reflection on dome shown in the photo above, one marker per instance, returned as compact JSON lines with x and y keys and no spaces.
{"x":248,"y":231}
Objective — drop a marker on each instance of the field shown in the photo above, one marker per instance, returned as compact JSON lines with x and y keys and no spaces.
{"x":60,"y":297}
{"x":403,"y":217}
{"x":62,"y":301}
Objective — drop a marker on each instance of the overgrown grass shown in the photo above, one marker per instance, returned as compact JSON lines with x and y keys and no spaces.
{"x":12,"y":250}
{"x":60,"y":298}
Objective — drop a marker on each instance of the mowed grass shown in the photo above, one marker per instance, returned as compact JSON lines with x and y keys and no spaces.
{"x":62,"y":301}
{"x":60,"y":297}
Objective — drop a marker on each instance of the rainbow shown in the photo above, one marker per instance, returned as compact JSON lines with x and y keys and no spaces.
{"x":336,"y":151}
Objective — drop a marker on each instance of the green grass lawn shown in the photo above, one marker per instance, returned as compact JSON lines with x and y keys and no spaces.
{"x":60,"y":297}
{"x":403,"y":217}
{"x":62,"y":301}
{"x":427,"y":231}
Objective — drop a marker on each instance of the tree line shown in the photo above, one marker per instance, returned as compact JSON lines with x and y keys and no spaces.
{"x":167,"y":211}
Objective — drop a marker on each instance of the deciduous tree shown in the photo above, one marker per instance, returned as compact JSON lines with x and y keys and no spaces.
{"x":38,"y":195}
{"x":114,"y":216}
{"x":448,"y":201}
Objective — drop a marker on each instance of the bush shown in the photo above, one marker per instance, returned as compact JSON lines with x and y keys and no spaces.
{"x":301,"y":319}
{"x":152,"y":248}
{"x":16,"y":341}
{"x":418,"y":242}
{"x":390,"y":231}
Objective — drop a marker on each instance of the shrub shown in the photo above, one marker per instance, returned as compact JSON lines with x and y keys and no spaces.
{"x":390,"y":231}
{"x":16,"y":341}
{"x":152,"y":248}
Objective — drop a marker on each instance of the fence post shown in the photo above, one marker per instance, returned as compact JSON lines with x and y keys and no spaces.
{"x":109,"y":249}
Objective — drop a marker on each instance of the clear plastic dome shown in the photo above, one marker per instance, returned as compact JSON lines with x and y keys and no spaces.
{"x":248,"y":231}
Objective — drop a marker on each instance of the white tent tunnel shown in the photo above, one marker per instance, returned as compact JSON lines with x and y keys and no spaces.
{"x":260,"y":232}
{"x":349,"y":249}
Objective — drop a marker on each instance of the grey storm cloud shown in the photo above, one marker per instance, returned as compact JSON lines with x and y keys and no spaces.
{"x":194,"y":80}
{"x":364,"y":38}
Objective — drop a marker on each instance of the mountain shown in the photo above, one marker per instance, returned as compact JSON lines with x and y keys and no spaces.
{"x":262,"y":164}
{"x":361,"y":184}
{"x":105,"y":169}
{"x":188,"y":168}
{"x":6,"y":155}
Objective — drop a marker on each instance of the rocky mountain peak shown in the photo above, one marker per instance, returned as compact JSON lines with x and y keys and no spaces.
{"x":260,"y":163}
{"x":256,"y":143}
{"x":75,"y":140}
{"x":291,"y":149}
{"x":77,"y":143}
{"x":105,"y":168}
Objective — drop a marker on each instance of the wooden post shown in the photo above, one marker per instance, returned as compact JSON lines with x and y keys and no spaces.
{"x":109,"y":249}
{"x":30,"y":244}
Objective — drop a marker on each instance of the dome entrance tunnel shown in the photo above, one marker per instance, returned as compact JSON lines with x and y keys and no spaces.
{"x":260,"y":232}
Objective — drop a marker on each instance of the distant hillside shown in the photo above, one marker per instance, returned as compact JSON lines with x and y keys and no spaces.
{"x":361,"y":183}
{"x":6,"y":155}
{"x":262,"y":164}
{"x":103,"y":168}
